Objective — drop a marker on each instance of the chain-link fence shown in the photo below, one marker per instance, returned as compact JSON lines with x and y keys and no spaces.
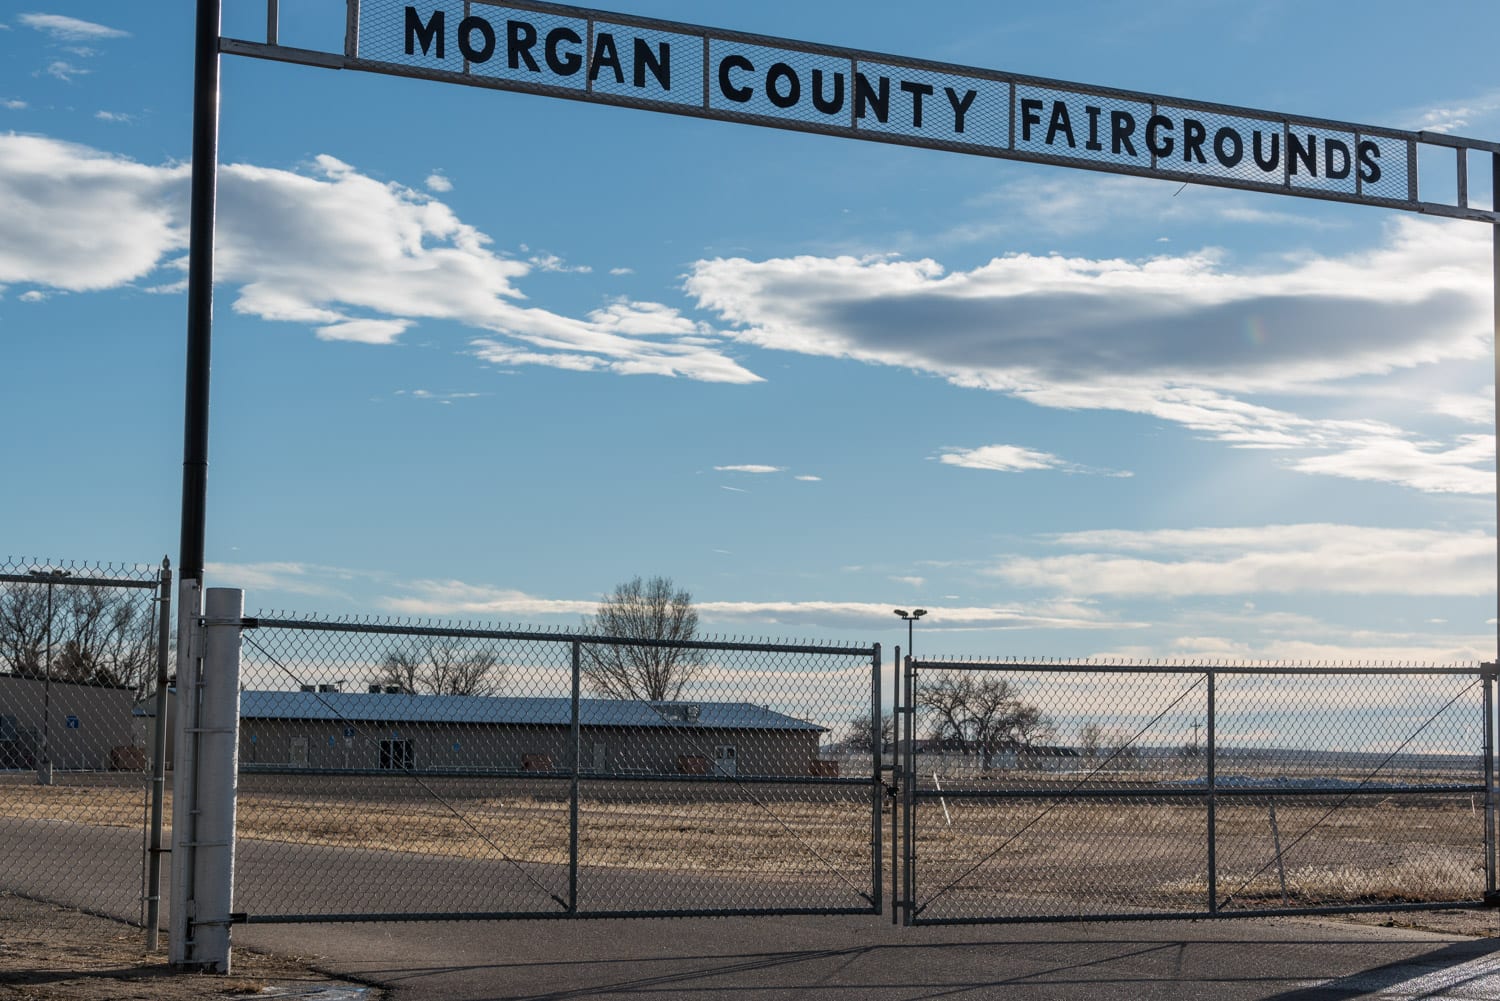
{"x":81,"y":650}
{"x":393,"y":771}
{"x":1059,"y":791}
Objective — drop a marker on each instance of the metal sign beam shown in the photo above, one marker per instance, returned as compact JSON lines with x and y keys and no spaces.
{"x":618,"y":59}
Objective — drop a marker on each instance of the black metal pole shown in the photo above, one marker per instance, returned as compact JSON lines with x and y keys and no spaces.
{"x":200,"y":290}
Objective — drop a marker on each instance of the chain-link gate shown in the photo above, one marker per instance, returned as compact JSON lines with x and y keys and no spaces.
{"x":402,"y":772}
{"x":1066,"y":791}
{"x":83,"y":652}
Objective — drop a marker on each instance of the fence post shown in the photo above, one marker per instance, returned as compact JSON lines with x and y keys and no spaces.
{"x":897,"y":778}
{"x":577,"y":743}
{"x":877,"y":790}
{"x":909,"y":799}
{"x":184,"y":767}
{"x":208,"y":847}
{"x":158,"y":759}
{"x":1491,"y":672}
{"x":1213,"y":804}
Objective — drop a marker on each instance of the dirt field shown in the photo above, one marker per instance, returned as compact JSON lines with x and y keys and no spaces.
{"x":50,"y":953}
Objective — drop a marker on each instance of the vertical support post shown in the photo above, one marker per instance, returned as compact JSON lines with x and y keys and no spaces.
{"x":573,"y":791}
{"x":877,"y":741}
{"x":1489,"y":679}
{"x":185,"y":769}
{"x":158,"y":759}
{"x":898,"y":781}
{"x":909,"y":799}
{"x":1213,"y":802}
{"x":194,"y":469}
{"x":218,"y":779}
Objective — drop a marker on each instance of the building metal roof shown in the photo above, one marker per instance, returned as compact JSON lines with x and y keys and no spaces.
{"x":377,"y":707}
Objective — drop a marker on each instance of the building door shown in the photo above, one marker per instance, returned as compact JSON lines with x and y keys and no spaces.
{"x":724,"y":760}
{"x":396,"y":755}
{"x":299,"y":752}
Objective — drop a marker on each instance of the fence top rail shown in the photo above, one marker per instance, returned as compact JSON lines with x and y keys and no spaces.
{"x":1147,"y":667}
{"x":77,"y":580}
{"x":546,"y":636}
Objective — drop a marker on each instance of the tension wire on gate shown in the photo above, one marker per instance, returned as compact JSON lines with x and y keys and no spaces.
{"x":1061,"y":797}
{"x":1347,"y":796}
{"x":359,"y":731}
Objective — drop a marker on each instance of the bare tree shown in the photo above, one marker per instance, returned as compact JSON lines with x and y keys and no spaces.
{"x":99,"y":635}
{"x":983,"y":713}
{"x":441,"y":666}
{"x":642,"y":610}
{"x":859,"y":733}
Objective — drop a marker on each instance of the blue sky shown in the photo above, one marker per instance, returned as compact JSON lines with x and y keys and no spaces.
{"x":482,"y":356}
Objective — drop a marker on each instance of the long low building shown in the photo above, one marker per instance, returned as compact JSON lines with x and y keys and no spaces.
{"x":374,"y":731}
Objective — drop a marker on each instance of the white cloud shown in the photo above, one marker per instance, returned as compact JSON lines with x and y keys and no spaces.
{"x":437,"y":182}
{"x":32,"y":296}
{"x":806,"y":478}
{"x":1014,"y":459}
{"x":1426,"y":466}
{"x":81,"y":220}
{"x":1180,"y":338}
{"x":65,"y":71}
{"x":1305,"y":558}
{"x":1477,"y":408}
{"x":351,"y":257}
{"x":917,"y":582}
{"x":749,"y":469}
{"x":621,"y":271}
{"x":13,"y":104}
{"x":552,"y":262}
{"x":69,"y":29}
{"x":113,"y":116}
{"x":737,"y":490}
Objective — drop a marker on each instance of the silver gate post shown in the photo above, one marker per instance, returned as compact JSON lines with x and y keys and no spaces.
{"x":897,"y":778}
{"x":1488,"y":679}
{"x":184,"y":769}
{"x":1213,"y":805}
{"x":218,"y":769}
{"x":573,"y":791}
{"x":877,"y":793}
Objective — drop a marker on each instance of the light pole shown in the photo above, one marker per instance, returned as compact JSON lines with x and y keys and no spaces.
{"x":909,"y":618}
{"x":44,"y":767}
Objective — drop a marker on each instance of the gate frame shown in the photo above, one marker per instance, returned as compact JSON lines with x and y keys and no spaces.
{"x":218,"y":958}
{"x":905,"y":900}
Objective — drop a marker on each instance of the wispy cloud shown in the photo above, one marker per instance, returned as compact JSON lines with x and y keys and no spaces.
{"x":70,"y":29}
{"x":750,"y":469}
{"x":1275,"y":559}
{"x":1015,"y":459}
{"x":808,"y":478}
{"x":13,"y":104}
{"x":65,"y":71}
{"x":114,"y":116}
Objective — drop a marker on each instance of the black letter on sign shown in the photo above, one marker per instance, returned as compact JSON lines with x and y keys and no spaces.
{"x":566,"y":63}
{"x":1268,"y":161}
{"x":1158,"y":146}
{"x":917,"y":92}
{"x":1193,"y":134}
{"x":1061,"y":124}
{"x":829,"y":106}
{"x":1369,"y":170}
{"x":960,"y":107}
{"x":519,"y":38}
{"x":737,"y":94}
{"x":660,"y":64}
{"x":1093,"y":141}
{"x":1121,"y":128}
{"x":1031,"y":114}
{"x":1298,"y":153}
{"x":1335,"y":171}
{"x":421,"y":34}
{"x":794,"y":88}
{"x":605,"y":54}
{"x":865,"y":94}
{"x":1229,"y":148}
{"x":466,"y":46}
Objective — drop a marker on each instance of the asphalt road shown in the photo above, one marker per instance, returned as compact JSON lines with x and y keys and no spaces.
{"x":804,"y":957}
